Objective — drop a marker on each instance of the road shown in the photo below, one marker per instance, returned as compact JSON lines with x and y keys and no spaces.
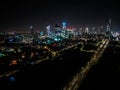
{"x":106,"y":73}
{"x":78,"y":78}
{"x":52,"y":74}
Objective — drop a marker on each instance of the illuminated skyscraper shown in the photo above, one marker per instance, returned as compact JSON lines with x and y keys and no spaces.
{"x":32,"y":30}
{"x":64,"y":25}
{"x":86,"y":30}
{"x":108,"y":31}
{"x":109,"y":25}
{"x":48,"y":30}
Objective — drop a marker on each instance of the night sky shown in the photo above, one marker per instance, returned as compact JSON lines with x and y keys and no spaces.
{"x":20,"y":15}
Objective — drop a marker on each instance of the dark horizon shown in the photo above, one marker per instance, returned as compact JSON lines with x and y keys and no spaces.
{"x":75,"y":13}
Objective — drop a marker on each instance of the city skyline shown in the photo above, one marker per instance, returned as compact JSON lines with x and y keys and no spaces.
{"x":21,"y":15}
{"x":59,"y":45}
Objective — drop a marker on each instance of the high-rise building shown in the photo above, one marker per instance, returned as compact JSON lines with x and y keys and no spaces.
{"x":64,"y":25}
{"x":31,"y":29}
{"x":108,"y":31}
{"x":109,"y":25}
{"x":48,"y":30}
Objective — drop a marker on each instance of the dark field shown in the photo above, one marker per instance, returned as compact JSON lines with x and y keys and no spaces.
{"x":106,"y":73}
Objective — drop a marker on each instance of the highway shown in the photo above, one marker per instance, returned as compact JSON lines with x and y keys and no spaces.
{"x":106,"y":73}
{"x":78,"y":78}
{"x":65,"y":64}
